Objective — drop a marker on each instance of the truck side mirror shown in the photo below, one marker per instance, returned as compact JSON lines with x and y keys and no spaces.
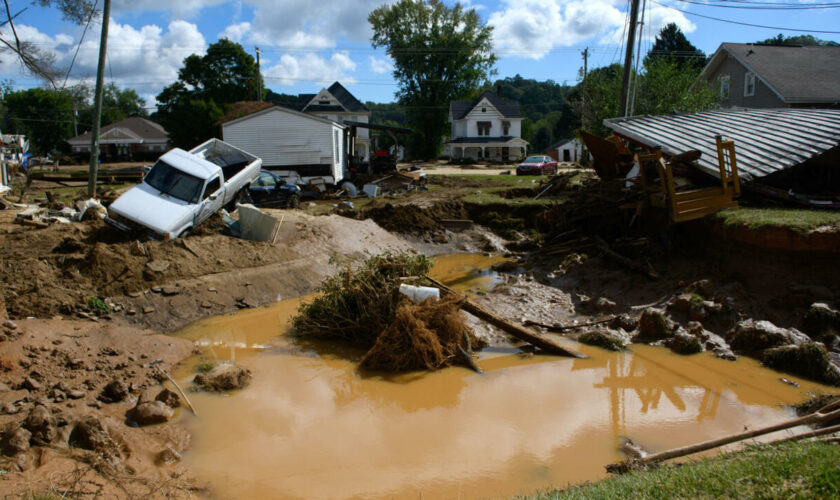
{"x":213,"y":197}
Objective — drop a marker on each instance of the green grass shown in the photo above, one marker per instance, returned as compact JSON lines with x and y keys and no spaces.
{"x":787,"y":470}
{"x":801,"y":220}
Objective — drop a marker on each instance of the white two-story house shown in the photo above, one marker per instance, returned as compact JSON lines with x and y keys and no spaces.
{"x":486,"y":128}
{"x":336,"y":103}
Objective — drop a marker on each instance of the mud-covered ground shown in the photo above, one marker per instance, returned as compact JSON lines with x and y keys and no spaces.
{"x":88,"y":307}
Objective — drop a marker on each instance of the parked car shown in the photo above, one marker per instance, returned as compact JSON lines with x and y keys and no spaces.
{"x":537,"y":165}
{"x":183,"y":189}
{"x":270,"y":190}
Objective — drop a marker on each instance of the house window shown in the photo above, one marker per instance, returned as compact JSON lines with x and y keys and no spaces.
{"x":484,"y":128}
{"x":505,"y":128}
{"x":483,"y":110}
{"x":749,"y":84}
{"x":324,"y":101}
{"x":724,"y":86}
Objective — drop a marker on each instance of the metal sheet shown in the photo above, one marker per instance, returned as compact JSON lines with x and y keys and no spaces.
{"x":766,"y":140}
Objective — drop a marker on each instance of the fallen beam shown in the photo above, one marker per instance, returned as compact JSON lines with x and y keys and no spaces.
{"x":508,"y":327}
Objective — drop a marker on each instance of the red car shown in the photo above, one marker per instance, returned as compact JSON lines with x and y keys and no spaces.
{"x":537,"y":165}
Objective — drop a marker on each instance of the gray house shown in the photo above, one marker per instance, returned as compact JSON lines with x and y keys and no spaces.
{"x":773,"y":76}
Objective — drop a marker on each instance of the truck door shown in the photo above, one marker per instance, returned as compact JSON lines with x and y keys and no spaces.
{"x":211,"y":200}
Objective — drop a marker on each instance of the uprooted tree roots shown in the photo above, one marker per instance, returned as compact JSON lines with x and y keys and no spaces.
{"x":362,"y":304}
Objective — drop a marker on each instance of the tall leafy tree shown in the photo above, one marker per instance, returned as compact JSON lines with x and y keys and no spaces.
{"x":671,"y":44}
{"x":44,"y":116}
{"x":206,"y":85}
{"x":804,"y":40}
{"x":440,"y":54}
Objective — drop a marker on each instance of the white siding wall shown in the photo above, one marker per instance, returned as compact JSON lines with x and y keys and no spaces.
{"x":282,"y":138}
{"x":468,"y":126}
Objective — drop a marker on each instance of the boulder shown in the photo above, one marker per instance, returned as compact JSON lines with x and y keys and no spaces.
{"x":821,"y":321}
{"x":602,"y":339}
{"x":114,"y":392}
{"x":151,"y":412}
{"x":807,"y":360}
{"x":169,"y":398}
{"x":90,"y":434}
{"x":654,"y":325}
{"x":41,"y":424}
{"x":16,"y":441}
{"x":752,"y":336}
{"x":625,"y":322}
{"x":223,"y":377}
{"x":683,"y":342}
{"x":703,"y":287}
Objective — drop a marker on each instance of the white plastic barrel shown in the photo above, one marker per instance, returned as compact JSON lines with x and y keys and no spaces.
{"x":419,"y":293}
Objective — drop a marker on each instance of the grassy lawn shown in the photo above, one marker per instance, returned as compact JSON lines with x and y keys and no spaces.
{"x":802,"y":220}
{"x":788,"y":470}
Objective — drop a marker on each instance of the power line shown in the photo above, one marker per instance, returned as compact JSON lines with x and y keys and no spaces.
{"x":81,"y":39}
{"x":768,"y":7}
{"x":747,"y":24}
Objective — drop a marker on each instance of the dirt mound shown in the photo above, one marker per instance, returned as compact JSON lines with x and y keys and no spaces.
{"x":413,"y":219}
{"x":425,"y":336}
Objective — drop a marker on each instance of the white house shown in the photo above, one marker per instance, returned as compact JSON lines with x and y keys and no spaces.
{"x":337,"y":104}
{"x":290,"y":141}
{"x":486,"y":128}
{"x":566,"y":150}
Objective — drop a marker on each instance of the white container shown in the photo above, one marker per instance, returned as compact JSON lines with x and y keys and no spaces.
{"x":419,"y":293}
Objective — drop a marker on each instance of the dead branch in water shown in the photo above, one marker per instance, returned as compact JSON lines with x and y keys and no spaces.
{"x":562,"y":328}
{"x":513,"y":329}
{"x":826,"y":413}
{"x":181,"y":392}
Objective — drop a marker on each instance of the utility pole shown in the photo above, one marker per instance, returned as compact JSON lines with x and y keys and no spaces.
{"x":97,"y":100}
{"x":259,"y":76}
{"x":628,"y":59}
{"x":585,"y":55}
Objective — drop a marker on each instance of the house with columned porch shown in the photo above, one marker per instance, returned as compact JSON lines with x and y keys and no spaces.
{"x":486,"y":128}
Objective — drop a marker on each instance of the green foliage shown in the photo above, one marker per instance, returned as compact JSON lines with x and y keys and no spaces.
{"x":285,"y":100}
{"x":359,"y":302}
{"x":440,"y":54}
{"x":803,"y":40}
{"x":190,"y":107}
{"x":44,"y":116}
{"x":672,"y":45}
{"x":97,"y":305}
{"x":389,"y":113}
{"x":787,"y":470}
{"x":205,"y":366}
{"x":76,"y":11}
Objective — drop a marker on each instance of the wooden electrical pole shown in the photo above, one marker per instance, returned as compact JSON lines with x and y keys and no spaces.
{"x":97,"y":100}
{"x":585,"y":55}
{"x":259,"y":76}
{"x":628,"y":59}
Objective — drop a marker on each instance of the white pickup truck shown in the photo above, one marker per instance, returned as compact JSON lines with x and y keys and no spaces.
{"x":183,"y":189}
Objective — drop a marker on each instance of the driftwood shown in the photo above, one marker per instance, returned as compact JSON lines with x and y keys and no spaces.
{"x":181,"y":392}
{"x":824,"y":414}
{"x":469,"y":360}
{"x":562,"y":328}
{"x":647,"y":271}
{"x":508,"y":327}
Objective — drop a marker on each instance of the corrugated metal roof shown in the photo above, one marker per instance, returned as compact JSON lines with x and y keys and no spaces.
{"x":766,"y":140}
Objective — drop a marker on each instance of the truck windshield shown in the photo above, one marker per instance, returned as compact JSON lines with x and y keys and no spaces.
{"x":169,"y":180}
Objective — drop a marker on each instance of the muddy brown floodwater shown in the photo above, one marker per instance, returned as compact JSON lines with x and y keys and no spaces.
{"x":310,"y":426}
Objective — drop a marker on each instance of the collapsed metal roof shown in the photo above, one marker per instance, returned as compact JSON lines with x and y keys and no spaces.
{"x":766,"y":140}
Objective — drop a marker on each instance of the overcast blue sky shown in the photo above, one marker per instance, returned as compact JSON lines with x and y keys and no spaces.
{"x":307,"y":45}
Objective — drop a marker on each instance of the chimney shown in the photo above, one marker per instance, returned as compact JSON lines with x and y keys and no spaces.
{"x":499,"y":90}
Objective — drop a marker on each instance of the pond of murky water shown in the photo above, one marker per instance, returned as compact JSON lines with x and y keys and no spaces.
{"x":310,"y":426}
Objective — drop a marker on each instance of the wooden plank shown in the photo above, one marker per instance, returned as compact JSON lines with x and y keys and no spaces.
{"x":697,"y":193}
{"x":702,"y":212}
{"x":719,"y":200}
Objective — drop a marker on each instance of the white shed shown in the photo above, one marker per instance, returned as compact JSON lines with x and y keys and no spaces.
{"x":569,"y":150}
{"x":291,"y":142}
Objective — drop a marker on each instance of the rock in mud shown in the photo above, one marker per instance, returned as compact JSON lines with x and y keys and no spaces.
{"x":821,"y":320}
{"x":30,"y":384}
{"x":807,"y":360}
{"x":223,"y":377}
{"x":653,"y":325}
{"x":602,"y":339}
{"x":168,"y":398}
{"x":599,"y":305}
{"x":114,"y":392}
{"x":41,"y":424}
{"x":91,"y":434}
{"x":702,"y":287}
{"x":16,"y":441}
{"x":751,"y":336}
{"x":625,"y":322}
{"x":167,"y":456}
{"x":684,"y":302}
{"x":684,"y":343}
{"x":151,"y":412}
{"x":725,"y":354}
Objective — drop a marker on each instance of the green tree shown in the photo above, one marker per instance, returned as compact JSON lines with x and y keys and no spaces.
{"x":440,"y":54}
{"x":44,"y":116}
{"x":206,"y":85}
{"x":803,"y":40}
{"x":671,"y":44}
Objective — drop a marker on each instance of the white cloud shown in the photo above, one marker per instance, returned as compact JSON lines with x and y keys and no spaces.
{"x":659,"y":16}
{"x":291,"y":70}
{"x":180,"y":9}
{"x":380,"y":66}
{"x":532,"y":28}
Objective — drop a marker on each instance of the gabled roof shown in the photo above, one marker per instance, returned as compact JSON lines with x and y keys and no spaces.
{"x":508,"y":109}
{"x":766,"y":140}
{"x":243,"y":108}
{"x":345,"y":98}
{"x":146,"y":130}
{"x":798,"y":75}
{"x":273,"y":108}
{"x":562,"y":143}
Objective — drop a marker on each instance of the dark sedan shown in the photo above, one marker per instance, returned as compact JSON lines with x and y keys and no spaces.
{"x":537,"y":165}
{"x":269,"y":190}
